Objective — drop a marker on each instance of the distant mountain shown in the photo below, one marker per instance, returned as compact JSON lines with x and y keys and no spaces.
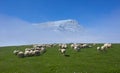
{"x":61,"y":26}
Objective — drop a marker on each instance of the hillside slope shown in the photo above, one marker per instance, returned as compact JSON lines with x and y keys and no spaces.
{"x":88,"y":60}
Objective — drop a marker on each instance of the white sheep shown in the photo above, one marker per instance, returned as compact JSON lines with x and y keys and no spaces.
{"x":108,"y":45}
{"x":84,"y":45}
{"x":98,"y":48}
{"x":72,"y":45}
{"x":103,"y":48}
{"x":26,"y":53}
{"x":77,"y":48}
{"x":62,"y":51}
{"x":42,"y":50}
{"x":31,"y":53}
{"x":36,"y":52}
{"x":15,"y":52}
{"x":20,"y":54}
{"x":63,"y":46}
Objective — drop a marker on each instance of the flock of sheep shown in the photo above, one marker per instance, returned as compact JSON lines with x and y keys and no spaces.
{"x":39,"y":49}
{"x":35,"y":51}
{"x":104,"y":47}
{"x":76,"y":47}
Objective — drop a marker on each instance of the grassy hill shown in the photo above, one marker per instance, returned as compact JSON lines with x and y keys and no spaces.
{"x":88,"y":60}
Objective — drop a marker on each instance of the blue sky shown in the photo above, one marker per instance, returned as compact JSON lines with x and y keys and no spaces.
{"x":100,"y":18}
{"x":49,"y":10}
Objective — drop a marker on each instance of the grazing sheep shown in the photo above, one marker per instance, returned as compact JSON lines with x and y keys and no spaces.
{"x":107,"y":45}
{"x":77,"y":48}
{"x":103,"y":48}
{"x":98,"y":48}
{"x":62,"y":51}
{"x":36,"y":52}
{"x":20,"y":54}
{"x":84,"y":46}
{"x":15,"y":52}
{"x":72,"y":45}
{"x":31,"y":53}
{"x":38,"y":46}
{"x":42,"y":50}
{"x":63,"y":46}
{"x":26,"y":53}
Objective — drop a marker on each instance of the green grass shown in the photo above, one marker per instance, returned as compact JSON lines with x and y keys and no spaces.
{"x":88,"y":60}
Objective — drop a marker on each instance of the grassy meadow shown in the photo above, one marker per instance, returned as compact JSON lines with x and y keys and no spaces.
{"x":88,"y":60}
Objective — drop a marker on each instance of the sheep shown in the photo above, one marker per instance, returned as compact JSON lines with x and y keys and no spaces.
{"x":62,"y":51}
{"x":103,"y":48}
{"x":35,"y":53}
{"x":98,"y":48}
{"x":37,"y":46}
{"x":20,"y":54}
{"x":63,"y":46}
{"x":42,"y":50}
{"x":26,"y":53}
{"x":108,"y":45}
{"x":15,"y":52}
{"x":72,"y":45}
{"x":76,"y":47}
{"x":31,"y":53}
{"x":85,"y":45}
